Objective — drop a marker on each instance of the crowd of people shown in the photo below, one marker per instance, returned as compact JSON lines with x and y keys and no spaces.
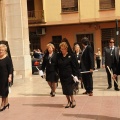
{"x":76,"y":61}
{"x":72,"y":62}
{"x":70,"y":66}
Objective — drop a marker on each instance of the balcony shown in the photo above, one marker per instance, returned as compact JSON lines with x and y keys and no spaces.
{"x":35,"y":17}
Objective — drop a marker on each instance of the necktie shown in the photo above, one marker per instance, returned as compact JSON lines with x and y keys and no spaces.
{"x":111,"y":50}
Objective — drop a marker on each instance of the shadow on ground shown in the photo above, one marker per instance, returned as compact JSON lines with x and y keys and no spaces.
{"x":95,"y":117}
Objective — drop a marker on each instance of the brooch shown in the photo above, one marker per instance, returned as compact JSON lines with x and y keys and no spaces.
{"x":69,"y":56}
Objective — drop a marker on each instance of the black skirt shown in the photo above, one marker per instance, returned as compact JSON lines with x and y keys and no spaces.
{"x":52,"y":76}
{"x":67,"y":85}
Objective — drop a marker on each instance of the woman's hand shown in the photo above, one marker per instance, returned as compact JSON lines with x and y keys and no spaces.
{"x":10,"y":78}
{"x":114,"y":76}
{"x":91,"y":70}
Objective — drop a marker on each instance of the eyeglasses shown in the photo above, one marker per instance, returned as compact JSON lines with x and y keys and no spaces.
{"x":111,"y":42}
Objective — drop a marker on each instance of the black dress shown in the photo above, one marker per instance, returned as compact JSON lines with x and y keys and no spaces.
{"x":78,"y":57}
{"x":5,"y":70}
{"x":67,"y":66}
{"x":50,"y":63}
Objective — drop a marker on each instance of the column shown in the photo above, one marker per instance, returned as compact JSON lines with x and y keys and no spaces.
{"x":17,"y":36}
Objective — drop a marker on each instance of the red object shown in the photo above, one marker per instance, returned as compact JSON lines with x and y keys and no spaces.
{"x":36,"y":63}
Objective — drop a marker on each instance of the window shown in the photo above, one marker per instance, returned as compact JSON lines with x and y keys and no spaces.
{"x":34,"y":41}
{"x":108,"y":33}
{"x":56,"y":40}
{"x":89,"y":36}
{"x":106,"y":4}
{"x":30,"y":8}
{"x":69,"y":5}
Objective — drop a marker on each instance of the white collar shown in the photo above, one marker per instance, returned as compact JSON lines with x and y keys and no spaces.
{"x":112,"y":47}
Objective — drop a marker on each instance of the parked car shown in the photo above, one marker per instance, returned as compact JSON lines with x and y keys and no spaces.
{"x":36,"y":63}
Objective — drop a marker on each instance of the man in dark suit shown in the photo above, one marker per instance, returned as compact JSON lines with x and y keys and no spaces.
{"x":117,"y":72}
{"x":87,"y":64}
{"x":111,"y":59}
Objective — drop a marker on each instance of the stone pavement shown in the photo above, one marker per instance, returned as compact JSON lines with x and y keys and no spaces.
{"x":30,"y":100}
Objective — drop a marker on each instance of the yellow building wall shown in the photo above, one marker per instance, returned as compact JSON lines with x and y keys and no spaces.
{"x":88,"y":11}
{"x":117,"y":7}
{"x":52,"y":10}
{"x":70,"y":23}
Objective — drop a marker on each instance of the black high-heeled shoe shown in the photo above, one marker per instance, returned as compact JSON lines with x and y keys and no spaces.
{"x":53,"y":94}
{"x":68,"y":105}
{"x":73,"y":104}
{"x":7,"y":106}
{"x":2,"y":109}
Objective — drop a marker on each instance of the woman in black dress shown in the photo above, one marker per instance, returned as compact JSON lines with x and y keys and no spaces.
{"x":5,"y":76}
{"x":98,"y":58}
{"x":67,"y":67}
{"x":50,"y":64}
{"x":78,"y":54}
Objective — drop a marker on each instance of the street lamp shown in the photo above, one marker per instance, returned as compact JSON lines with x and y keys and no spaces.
{"x":117,"y":33}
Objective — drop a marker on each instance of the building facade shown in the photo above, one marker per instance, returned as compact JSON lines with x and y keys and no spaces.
{"x":31,"y":24}
{"x":74,"y":19}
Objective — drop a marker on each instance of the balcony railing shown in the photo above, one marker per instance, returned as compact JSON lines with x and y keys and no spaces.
{"x":36,"y":16}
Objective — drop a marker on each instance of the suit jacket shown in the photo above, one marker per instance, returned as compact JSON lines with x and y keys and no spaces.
{"x":49,"y":63}
{"x":107,"y":56}
{"x":78,"y":58}
{"x":87,"y":59}
{"x":118,"y":68}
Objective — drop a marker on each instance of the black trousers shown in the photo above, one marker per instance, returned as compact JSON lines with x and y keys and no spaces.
{"x":98,"y":61}
{"x":113,"y":68}
{"x":88,"y":82}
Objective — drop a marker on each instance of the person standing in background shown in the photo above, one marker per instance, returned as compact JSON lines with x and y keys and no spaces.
{"x":117,"y":72}
{"x":98,"y":58}
{"x":6,"y":70}
{"x":87,"y":64}
{"x":111,"y":59}
{"x":39,"y":51}
{"x":78,"y":53}
{"x":35,"y":54}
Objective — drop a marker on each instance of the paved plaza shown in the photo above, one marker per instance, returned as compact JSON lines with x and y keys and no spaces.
{"x":30,"y":100}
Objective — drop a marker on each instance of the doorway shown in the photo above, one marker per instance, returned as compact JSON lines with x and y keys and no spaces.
{"x":89,"y":36}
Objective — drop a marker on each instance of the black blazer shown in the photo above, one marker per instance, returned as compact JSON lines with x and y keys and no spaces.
{"x":78,"y":58}
{"x":106,"y":56}
{"x":87,"y":59}
{"x":50,"y":63}
{"x":118,"y":68}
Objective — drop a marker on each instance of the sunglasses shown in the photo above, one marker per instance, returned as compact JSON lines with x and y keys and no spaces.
{"x":111,"y":42}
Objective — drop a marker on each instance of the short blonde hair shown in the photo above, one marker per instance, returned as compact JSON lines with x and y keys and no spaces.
{"x":63,"y":44}
{"x":76,"y":46}
{"x":50,"y":45}
{"x":3,"y":46}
